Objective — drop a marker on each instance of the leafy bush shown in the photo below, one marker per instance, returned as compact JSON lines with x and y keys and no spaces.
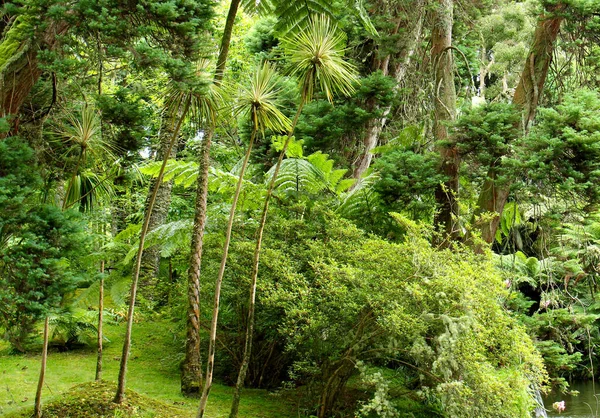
{"x":329,"y":297}
{"x":36,"y":246}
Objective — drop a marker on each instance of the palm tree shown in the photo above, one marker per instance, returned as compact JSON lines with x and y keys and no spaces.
{"x":199,"y":102}
{"x":83,"y":136}
{"x":316,"y":59}
{"x":292,"y":16}
{"x":257,"y":102}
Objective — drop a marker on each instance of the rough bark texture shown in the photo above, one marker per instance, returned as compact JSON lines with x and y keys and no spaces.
{"x":19,"y":71}
{"x":493,"y":196}
{"x":37,"y":412}
{"x":100,"y":322}
{"x":396,"y":67}
{"x":446,"y":219}
{"x":120,"y":394}
{"x":191,"y":368}
{"x":151,"y":256}
{"x":219,"y":281}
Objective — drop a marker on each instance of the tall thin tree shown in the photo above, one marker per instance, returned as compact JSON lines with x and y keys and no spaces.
{"x":258,"y":102}
{"x":191,"y":368}
{"x":316,"y":59}
{"x":493,"y":195}
{"x":444,"y":96}
{"x":120,"y":394}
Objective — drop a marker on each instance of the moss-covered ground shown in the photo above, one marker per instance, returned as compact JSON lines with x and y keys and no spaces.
{"x":153,"y":379}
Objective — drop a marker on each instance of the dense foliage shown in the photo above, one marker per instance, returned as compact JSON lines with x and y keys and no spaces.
{"x":390,"y":207}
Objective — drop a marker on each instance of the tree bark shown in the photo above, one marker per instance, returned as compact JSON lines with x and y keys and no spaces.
{"x":151,"y":256}
{"x":191,"y":368}
{"x":37,"y":412}
{"x":446,"y":218}
{"x":100,"y":323}
{"x":215,"y":316}
{"x":20,"y":71}
{"x":376,"y":125}
{"x":494,"y":195}
{"x":120,"y":394}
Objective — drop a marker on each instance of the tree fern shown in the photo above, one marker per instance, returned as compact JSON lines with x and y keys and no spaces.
{"x":362,"y":200}
{"x":296,"y":15}
{"x":309,"y":176}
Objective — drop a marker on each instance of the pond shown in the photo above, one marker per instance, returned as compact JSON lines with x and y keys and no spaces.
{"x":584,"y":405}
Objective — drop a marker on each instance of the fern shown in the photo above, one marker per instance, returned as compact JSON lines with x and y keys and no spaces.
{"x":362,"y":200}
{"x":296,"y":15}
{"x":297,"y":176}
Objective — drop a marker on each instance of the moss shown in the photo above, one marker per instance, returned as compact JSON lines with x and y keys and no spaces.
{"x":94,"y":400}
{"x":13,"y":41}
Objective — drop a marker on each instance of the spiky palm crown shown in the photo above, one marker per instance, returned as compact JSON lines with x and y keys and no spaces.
{"x":316,"y":57}
{"x":259,"y":101}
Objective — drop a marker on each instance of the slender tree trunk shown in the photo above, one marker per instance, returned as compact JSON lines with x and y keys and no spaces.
{"x":226,"y":40}
{"x":38,"y":395}
{"x":191,"y":368}
{"x":446,"y":219}
{"x":255,"y":264}
{"x":215,"y":315}
{"x":493,"y":196}
{"x":375,"y":126}
{"x":100,"y":323}
{"x":151,"y":256}
{"x":120,"y":394}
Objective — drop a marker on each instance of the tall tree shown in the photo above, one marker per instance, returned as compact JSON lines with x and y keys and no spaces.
{"x":293,"y":15}
{"x":494,"y":195}
{"x":407,"y":18}
{"x":316,"y":59}
{"x":151,"y":257}
{"x":120,"y":394}
{"x":191,"y":368}
{"x":37,"y":411}
{"x":444,"y":95}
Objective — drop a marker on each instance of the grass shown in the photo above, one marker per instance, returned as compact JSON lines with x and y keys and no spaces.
{"x":153,"y":373}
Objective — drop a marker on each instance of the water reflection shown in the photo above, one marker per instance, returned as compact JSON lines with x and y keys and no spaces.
{"x":584,"y":405}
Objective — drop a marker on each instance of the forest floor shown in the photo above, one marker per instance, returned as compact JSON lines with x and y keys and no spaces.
{"x":153,"y":377}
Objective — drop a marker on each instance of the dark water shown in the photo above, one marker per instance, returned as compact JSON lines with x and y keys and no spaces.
{"x":584,"y":405}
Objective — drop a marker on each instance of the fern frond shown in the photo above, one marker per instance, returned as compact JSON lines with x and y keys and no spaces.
{"x":297,"y":176}
{"x":361,"y":200}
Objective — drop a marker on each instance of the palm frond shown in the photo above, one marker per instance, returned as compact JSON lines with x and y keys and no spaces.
{"x":87,"y":189}
{"x":316,"y":56}
{"x":82,"y":134}
{"x":173,"y":237}
{"x":297,"y":175}
{"x":201,"y":95}
{"x":258,"y":101}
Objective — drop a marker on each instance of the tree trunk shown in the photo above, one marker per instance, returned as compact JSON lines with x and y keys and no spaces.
{"x":151,"y":256}
{"x":100,"y":321}
{"x":255,"y":264}
{"x":215,"y":316}
{"x":120,"y":394}
{"x":191,"y":369}
{"x":37,"y":412}
{"x":19,"y":69}
{"x":375,"y":126}
{"x":494,"y":196}
{"x":446,"y":218}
